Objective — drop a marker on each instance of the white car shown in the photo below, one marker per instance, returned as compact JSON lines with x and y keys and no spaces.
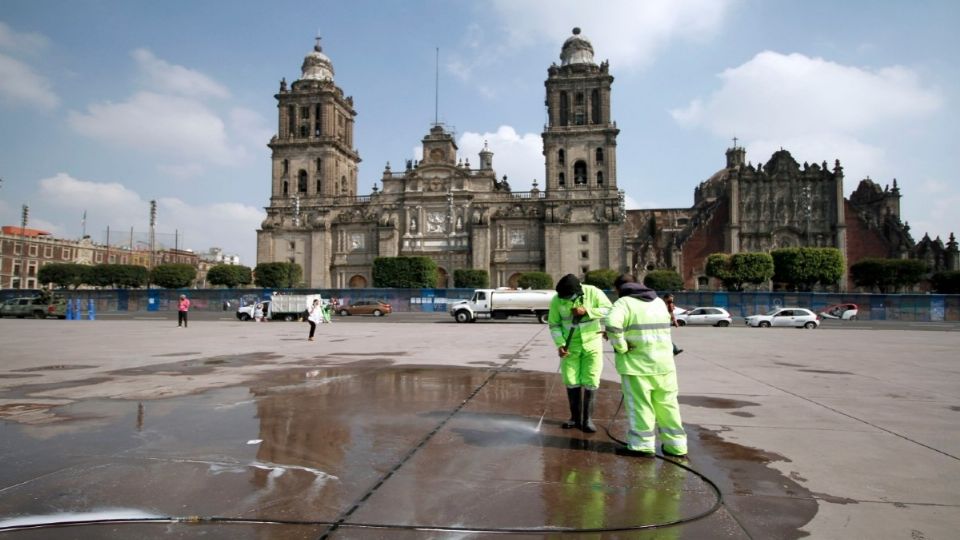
{"x":713,"y":316}
{"x":796,"y":317}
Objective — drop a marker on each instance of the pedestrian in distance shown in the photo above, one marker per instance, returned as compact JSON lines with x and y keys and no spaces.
{"x":183,"y":306}
{"x":575,"y":320}
{"x":258,"y":312}
{"x":314,"y":317}
{"x":668,"y":300}
{"x":638,"y":327}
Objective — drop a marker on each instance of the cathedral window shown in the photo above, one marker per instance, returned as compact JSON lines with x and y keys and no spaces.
{"x":564,"y":109}
{"x":561,"y":157}
{"x":561,"y":179}
{"x":286,"y":167}
{"x":291,"y":121}
{"x":578,"y":100}
{"x":599,"y":155}
{"x":286,"y":188}
{"x":580,"y":119}
{"x":319,"y":165}
{"x":599,"y":178}
{"x":579,"y":173}
{"x":584,"y":254}
{"x":343,"y":185}
{"x":595,"y":107}
{"x":318,"y":121}
{"x":304,"y":130}
{"x":584,"y":238}
{"x":302,"y":182}
{"x":305,"y":113}
{"x":318,"y":186}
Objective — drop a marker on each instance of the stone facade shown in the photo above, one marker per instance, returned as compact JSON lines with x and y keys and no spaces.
{"x":464,"y":217}
{"x":441,"y":207}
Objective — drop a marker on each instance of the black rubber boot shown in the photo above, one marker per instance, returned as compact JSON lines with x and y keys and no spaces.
{"x":589,"y":398}
{"x":573,"y":396}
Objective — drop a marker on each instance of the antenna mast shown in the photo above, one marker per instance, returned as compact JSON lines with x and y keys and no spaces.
{"x":436,"y":91}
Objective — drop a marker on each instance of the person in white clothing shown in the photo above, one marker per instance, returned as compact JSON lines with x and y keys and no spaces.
{"x":314,"y":317}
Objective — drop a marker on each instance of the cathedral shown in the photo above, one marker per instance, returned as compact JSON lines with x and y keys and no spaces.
{"x":464,"y":217}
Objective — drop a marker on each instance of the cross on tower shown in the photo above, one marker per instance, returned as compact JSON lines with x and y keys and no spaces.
{"x":735,"y":142}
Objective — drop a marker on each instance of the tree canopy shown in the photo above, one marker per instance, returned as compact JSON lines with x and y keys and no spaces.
{"x":405,"y":272}
{"x":173,"y":275}
{"x":229,"y":275}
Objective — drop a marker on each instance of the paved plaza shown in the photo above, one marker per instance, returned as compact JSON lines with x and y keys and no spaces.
{"x":430,"y":429}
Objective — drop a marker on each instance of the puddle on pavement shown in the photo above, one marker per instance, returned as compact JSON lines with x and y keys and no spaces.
{"x":308,"y":444}
{"x":711,"y":402}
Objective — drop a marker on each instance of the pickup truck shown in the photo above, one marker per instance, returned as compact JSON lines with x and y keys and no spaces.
{"x":38,"y":307}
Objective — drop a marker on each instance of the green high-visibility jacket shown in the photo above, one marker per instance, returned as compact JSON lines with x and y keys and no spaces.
{"x":639,"y":333}
{"x":560,"y":318}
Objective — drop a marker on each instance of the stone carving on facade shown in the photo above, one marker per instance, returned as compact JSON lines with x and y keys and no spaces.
{"x":436,"y":222}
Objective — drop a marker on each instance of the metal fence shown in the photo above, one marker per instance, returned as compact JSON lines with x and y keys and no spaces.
{"x":904,"y":307}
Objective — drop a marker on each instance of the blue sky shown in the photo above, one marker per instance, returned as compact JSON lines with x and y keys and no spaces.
{"x":105,"y":105}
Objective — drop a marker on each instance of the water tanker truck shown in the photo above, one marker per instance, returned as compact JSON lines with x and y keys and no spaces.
{"x":503,"y":303}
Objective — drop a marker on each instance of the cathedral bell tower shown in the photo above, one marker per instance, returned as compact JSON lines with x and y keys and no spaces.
{"x":580,"y":140}
{"x":313,"y":155}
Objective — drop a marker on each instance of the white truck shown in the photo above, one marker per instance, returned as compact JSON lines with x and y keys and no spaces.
{"x":288,"y":307}
{"x":503,"y":303}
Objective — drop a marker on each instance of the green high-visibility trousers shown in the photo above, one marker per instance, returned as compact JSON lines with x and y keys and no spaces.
{"x":583,"y":365}
{"x":651,"y":402}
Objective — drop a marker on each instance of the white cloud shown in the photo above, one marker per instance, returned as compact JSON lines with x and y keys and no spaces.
{"x":167,"y":124}
{"x":812,"y":107}
{"x":633,"y":31}
{"x":520,"y":157}
{"x":20,"y":84}
{"x":109,"y":204}
{"x":164,"y":77}
{"x":776,"y":95}
{"x":250,"y":129}
{"x":26,"y":42}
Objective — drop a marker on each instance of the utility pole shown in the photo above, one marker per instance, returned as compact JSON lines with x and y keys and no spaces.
{"x":23,"y":246}
{"x":153,"y":233}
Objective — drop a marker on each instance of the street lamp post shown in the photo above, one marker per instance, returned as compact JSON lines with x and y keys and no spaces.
{"x":23,"y":246}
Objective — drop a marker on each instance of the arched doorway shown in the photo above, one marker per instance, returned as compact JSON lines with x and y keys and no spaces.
{"x":358,"y":282}
{"x":514,"y":280}
{"x":442,"y":278}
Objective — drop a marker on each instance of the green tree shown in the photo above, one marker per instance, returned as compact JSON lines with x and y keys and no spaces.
{"x":751,"y":267}
{"x":471,"y":279}
{"x":946,"y":282}
{"x":121,"y":276}
{"x":602,"y":278}
{"x":277,"y":275}
{"x":887,"y":275}
{"x":535,"y":280}
{"x":405,"y":272}
{"x":872,"y":272}
{"x":229,"y":275}
{"x":173,"y":276}
{"x":718,"y":266}
{"x":63,"y":275}
{"x":663,"y":280}
{"x":804,"y":268}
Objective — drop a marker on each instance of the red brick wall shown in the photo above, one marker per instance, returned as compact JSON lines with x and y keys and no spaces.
{"x":862,"y":241}
{"x":706,"y":240}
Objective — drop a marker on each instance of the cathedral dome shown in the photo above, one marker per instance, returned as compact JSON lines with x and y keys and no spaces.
{"x":316,"y":65}
{"x":576,"y":50}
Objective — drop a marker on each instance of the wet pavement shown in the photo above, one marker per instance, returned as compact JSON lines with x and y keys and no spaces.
{"x":233,"y":430}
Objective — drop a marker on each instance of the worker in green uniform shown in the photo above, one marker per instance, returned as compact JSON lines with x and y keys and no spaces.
{"x":575,"y":319}
{"x":638,"y":327}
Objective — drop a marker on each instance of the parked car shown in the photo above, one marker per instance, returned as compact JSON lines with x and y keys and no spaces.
{"x":366,"y":307}
{"x":846,"y":312}
{"x":713,"y":316}
{"x":38,"y":307}
{"x":796,"y":317}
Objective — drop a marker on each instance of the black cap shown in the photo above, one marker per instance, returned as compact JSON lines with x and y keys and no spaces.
{"x":568,"y":286}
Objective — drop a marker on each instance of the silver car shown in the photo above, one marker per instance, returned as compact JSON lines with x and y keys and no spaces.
{"x":795,"y":317}
{"x":713,"y":316}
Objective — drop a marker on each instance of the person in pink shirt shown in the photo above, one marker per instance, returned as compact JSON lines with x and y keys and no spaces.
{"x":182,"y":310}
